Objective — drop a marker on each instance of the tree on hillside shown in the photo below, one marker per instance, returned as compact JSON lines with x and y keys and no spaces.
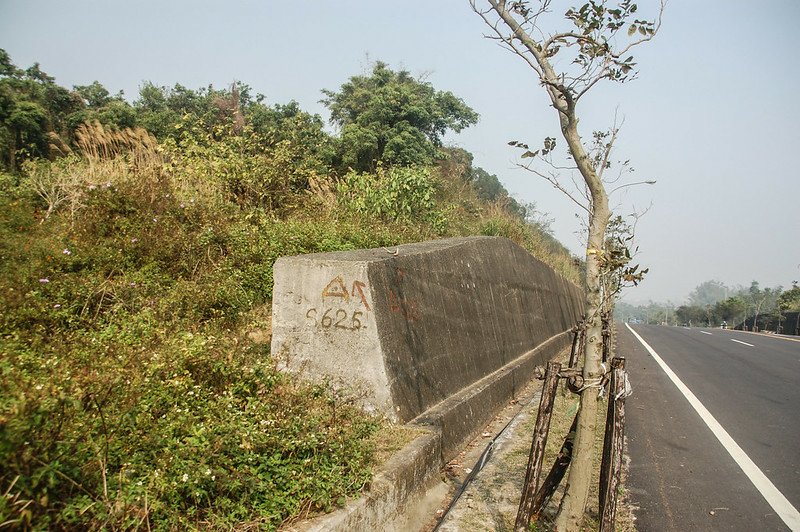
{"x":568,"y":64}
{"x":99,"y":105}
{"x":32,"y":111}
{"x":288,"y":122}
{"x":487,"y":185}
{"x":164,"y":112}
{"x":392,"y":118}
{"x":38,"y":117}
{"x":161,"y":110}
{"x":94,"y":95}
{"x":489,"y":188}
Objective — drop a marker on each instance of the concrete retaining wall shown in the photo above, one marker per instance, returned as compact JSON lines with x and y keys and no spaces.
{"x":419,"y":324}
{"x":438,"y":334}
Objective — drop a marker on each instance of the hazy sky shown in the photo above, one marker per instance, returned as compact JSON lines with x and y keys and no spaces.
{"x":713,"y":115}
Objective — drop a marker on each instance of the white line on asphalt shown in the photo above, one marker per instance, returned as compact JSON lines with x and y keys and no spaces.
{"x":775,"y":498}
{"x":740,"y":342}
{"x":706,"y":332}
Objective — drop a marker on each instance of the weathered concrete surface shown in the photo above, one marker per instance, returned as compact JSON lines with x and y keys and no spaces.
{"x":417,"y":324}
{"x":459,"y":417}
{"x":441,"y":335}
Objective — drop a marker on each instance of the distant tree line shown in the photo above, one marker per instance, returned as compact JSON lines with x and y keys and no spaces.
{"x":712,"y":304}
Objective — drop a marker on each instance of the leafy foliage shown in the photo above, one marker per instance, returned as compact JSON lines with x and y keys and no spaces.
{"x":390,"y":117}
{"x":616,"y":256}
{"x":247,"y":168}
{"x":790,"y":299}
{"x":396,"y":194}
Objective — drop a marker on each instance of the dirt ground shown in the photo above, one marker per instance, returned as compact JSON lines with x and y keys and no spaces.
{"x":490,"y":501}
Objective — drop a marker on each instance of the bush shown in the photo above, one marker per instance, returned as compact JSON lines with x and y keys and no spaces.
{"x":248,"y":169}
{"x":116,"y":434}
{"x":394,"y":194}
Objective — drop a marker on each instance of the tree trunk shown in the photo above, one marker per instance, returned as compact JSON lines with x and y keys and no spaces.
{"x":570,"y":514}
{"x":573,"y":504}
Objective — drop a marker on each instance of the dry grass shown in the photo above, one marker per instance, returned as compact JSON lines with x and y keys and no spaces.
{"x":391,"y":438}
{"x":104,"y":158}
{"x":97,"y":143}
{"x":123,"y":156}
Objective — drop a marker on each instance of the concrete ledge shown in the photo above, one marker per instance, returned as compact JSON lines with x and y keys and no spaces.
{"x":440,"y":335}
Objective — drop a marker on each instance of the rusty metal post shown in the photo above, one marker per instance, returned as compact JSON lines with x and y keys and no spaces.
{"x":577,"y":343}
{"x":611,"y":468}
{"x":538,"y":444}
{"x":606,"y":332}
{"x":573,"y":353}
{"x":578,"y":348}
{"x":556,"y":474}
{"x":608,"y":435}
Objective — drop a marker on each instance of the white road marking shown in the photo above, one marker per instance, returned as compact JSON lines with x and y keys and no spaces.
{"x":740,"y":342}
{"x":774,"y":498}
{"x":706,"y":332}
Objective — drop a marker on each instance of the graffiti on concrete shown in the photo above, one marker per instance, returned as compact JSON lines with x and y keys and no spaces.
{"x":352,"y":305}
{"x":407,"y":308}
{"x":336,"y":319}
{"x":359,"y":286}
{"x":349,"y":313}
{"x":336,"y":288}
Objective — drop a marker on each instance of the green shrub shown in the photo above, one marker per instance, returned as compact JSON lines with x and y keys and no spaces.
{"x":114,"y":435}
{"x":249,"y":169}
{"x":394,"y":194}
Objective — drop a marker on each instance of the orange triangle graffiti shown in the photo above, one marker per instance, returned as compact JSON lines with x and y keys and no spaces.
{"x":336,"y":288}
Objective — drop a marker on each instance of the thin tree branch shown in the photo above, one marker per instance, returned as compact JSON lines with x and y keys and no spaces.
{"x":553,"y":181}
{"x":646,"y":38}
{"x":648,"y":182}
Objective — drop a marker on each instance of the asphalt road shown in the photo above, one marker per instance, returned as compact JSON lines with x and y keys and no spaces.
{"x":681,"y":476}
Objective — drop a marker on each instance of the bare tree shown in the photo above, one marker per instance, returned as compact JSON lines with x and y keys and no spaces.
{"x":594,"y":47}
